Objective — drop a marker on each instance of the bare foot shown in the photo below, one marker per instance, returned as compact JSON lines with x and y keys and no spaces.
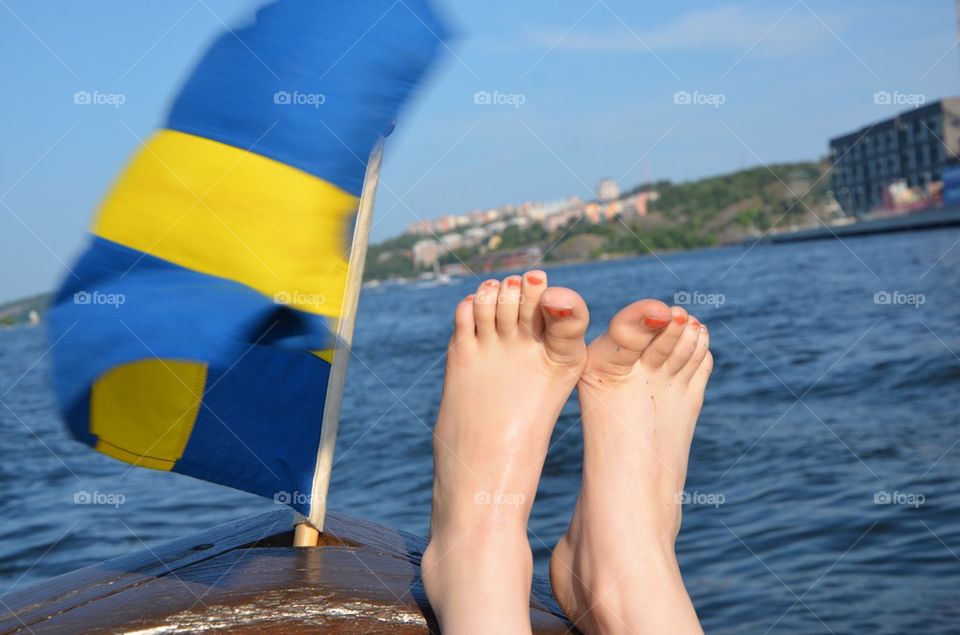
{"x":517,"y":352}
{"x":615,"y":570}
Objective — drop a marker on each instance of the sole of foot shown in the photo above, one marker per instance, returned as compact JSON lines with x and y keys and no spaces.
{"x":640,"y":395}
{"x":516,"y":354}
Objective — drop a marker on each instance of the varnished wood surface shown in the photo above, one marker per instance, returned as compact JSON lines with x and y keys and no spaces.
{"x":244,"y":577}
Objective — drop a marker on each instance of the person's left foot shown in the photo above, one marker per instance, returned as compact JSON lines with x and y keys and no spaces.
{"x":517,"y":351}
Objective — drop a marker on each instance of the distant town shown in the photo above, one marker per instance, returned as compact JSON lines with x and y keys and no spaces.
{"x":890,"y":171}
{"x":486,"y":228}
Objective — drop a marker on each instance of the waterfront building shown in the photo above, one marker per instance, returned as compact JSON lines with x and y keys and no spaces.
{"x":608,"y":190}
{"x":451,"y":241}
{"x":592,"y":212}
{"x":474,"y":236}
{"x":913,"y":147}
{"x":497,"y":227}
{"x":426,"y":252}
{"x":444,"y":224}
{"x":555,"y":221}
{"x":419,"y":228}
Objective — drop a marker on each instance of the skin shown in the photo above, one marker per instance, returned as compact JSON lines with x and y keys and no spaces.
{"x":615,"y":570}
{"x":516,"y":354}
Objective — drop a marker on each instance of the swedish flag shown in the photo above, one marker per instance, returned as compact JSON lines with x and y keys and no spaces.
{"x":196,"y":333}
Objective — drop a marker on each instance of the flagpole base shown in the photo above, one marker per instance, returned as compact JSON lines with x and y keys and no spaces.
{"x":305,"y":535}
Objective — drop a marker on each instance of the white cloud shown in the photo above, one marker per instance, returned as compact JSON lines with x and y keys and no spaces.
{"x":725,"y":28}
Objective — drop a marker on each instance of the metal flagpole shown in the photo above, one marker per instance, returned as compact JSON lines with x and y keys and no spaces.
{"x":307,"y":529}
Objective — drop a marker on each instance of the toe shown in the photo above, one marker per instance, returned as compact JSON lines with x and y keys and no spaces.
{"x":700,"y":353}
{"x":628,"y":336}
{"x":565,"y":319}
{"x":666,"y":341}
{"x":464,"y":324}
{"x":485,"y":308}
{"x":685,"y":347}
{"x":533,"y":285}
{"x":508,"y":305}
{"x":701,"y":374}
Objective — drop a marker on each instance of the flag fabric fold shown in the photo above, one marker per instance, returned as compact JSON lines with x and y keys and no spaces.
{"x":195,"y":332}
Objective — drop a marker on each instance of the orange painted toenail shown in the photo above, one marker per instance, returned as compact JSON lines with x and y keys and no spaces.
{"x":654,"y":323}
{"x":680,"y":319}
{"x":557,"y":312}
{"x":469,"y":298}
{"x":534,"y":279}
{"x":694,"y":322}
{"x":491,"y":283}
{"x":513,"y":282}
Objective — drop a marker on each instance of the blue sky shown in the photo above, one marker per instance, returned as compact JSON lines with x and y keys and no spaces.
{"x":597,"y":80}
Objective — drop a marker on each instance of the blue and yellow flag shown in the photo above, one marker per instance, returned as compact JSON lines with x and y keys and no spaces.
{"x":194,"y":334}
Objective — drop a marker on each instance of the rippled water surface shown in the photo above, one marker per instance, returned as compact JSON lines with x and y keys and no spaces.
{"x":822,"y":400}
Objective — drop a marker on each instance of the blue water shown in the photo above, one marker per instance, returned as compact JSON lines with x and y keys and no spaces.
{"x":821,"y":400}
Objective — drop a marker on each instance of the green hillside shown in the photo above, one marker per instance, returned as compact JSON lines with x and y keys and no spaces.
{"x":18,"y":312}
{"x":715,"y":210}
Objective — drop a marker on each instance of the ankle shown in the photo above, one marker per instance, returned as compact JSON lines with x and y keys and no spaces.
{"x":479,"y":580}
{"x":482,"y":546}
{"x":646,"y":594}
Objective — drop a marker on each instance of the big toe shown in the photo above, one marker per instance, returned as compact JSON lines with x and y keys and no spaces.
{"x":630,"y":333}
{"x":565,"y":317}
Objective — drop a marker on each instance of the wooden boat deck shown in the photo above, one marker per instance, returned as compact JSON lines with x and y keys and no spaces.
{"x":245,"y":577}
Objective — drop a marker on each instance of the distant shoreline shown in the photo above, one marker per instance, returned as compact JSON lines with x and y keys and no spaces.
{"x":554,"y":264}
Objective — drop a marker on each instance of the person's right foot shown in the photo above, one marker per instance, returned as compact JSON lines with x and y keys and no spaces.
{"x":640,"y":395}
{"x":516,"y":354}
